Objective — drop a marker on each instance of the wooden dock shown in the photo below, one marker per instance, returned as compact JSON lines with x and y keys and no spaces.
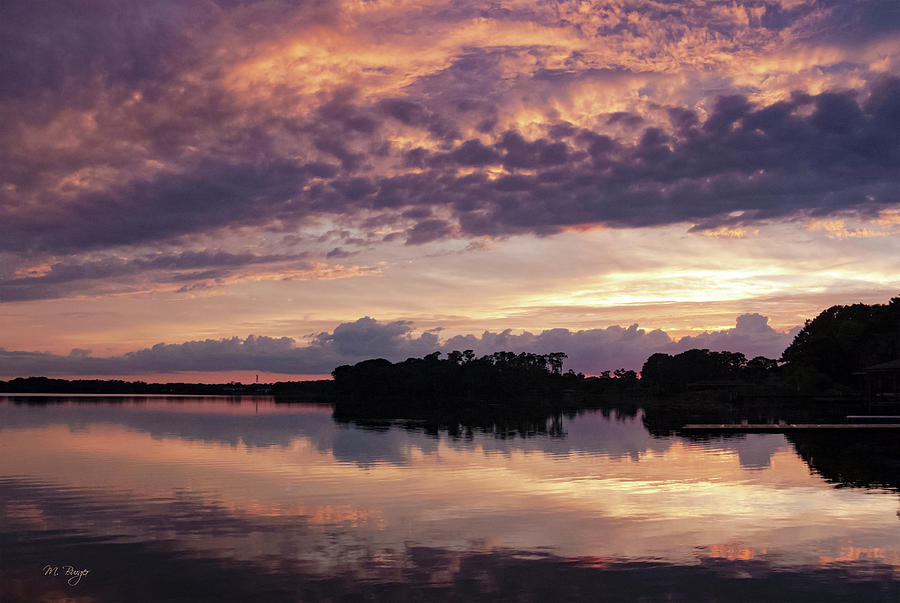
{"x":778,"y":427}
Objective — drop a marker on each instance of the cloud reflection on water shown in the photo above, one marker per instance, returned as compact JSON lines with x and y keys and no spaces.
{"x":293,"y":492}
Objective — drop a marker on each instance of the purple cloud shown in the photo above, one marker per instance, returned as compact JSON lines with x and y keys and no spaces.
{"x":589,"y":351}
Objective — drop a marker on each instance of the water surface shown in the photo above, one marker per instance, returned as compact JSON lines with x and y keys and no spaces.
{"x":191,"y":499}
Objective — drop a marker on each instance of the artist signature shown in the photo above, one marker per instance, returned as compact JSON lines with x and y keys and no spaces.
{"x":74,"y":575}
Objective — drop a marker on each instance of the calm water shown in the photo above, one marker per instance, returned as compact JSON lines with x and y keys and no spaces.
{"x":188,"y":499}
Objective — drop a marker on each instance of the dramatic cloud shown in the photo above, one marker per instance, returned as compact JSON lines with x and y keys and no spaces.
{"x":135,"y":124}
{"x":234,"y":156}
{"x":589,"y":351}
{"x":56,"y":280}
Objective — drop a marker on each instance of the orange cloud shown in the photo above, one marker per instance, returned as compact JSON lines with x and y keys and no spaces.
{"x":837,"y":228}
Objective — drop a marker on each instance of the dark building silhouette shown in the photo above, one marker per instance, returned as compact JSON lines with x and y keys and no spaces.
{"x":881,"y":381}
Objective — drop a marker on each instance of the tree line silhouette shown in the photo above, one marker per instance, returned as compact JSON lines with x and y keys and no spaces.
{"x":531,"y":379}
{"x":665,"y":374}
{"x":105,"y":386}
{"x":823,"y":357}
{"x":839,"y":342}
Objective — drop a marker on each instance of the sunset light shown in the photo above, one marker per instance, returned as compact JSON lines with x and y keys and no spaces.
{"x":449,"y":300}
{"x":277,"y":170}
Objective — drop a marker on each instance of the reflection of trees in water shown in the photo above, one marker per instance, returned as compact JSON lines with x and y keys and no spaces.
{"x":663,"y":417}
{"x":465,"y":422}
{"x":862,"y":459}
{"x":859,"y":458}
{"x":501,"y":425}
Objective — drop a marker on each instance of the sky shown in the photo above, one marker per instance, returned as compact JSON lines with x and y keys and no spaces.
{"x":219,"y":189}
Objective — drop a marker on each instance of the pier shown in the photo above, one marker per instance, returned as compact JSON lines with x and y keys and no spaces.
{"x":778,"y":427}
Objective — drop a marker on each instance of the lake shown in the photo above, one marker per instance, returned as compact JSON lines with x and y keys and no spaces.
{"x":214,"y":499}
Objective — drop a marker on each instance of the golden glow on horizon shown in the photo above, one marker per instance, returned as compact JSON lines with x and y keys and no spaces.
{"x":623,"y":289}
{"x":556,"y":293}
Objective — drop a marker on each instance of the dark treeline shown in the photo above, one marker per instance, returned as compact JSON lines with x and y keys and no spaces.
{"x":665,"y":374}
{"x":824,"y":358}
{"x":44,"y":385}
{"x":465,"y":421}
{"x":502,"y":393}
{"x":105,"y":386}
{"x":846,"y":459}
{"x":814,"y":381}
{"x":312,"y":391}
{"x":840,"y":341}
{"x":461,"y":377}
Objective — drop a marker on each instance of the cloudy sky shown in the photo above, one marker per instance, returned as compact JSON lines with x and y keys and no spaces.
{"x":280,"y":186}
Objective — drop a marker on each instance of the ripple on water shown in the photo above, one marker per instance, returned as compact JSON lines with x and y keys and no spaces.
{"x":284,"y":502}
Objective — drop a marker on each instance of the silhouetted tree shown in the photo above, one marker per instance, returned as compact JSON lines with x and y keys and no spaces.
{"x":521,"y":379}
{"x":759,"y":368}
{"x":842,"y":340}
{"x":663,"y":373}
